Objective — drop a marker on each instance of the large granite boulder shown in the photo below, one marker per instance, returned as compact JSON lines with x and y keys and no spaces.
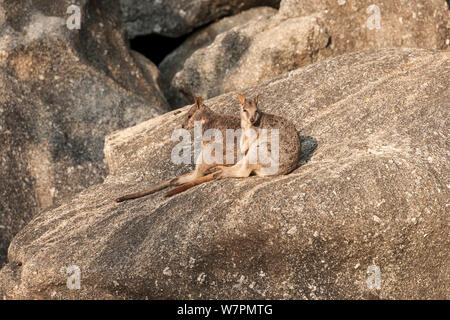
{"x":175,"y":18}
{"x":305,"y":31}
{"x":364,"y":216}
{"x":174,"y":62}
{"x":62,"y":91}
{"x":365,"y":24}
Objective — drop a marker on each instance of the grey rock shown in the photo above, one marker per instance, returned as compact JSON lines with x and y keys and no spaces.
{"x":175,"y":18}
{"x":370,"y":195}
{"x":242,"y":57}
{"x":302,"y":33}
{"x":174,"y":62}
{"x":415,"y":23}
{"x":63,"y":91}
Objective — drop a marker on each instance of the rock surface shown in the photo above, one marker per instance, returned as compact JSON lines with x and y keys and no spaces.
{"x":304,"y":32}
{"x":62,"y":92}
{"x":175,"y":18}
{"x":372,"y":197}
{"x":352,"y":24}
{"x":174,"y":62}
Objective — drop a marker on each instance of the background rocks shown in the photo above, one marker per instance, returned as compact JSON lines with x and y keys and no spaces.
{"x":403,"y":23}
{"x":62,"y":92}
{"x":174,"y":62}
{"x":374,"y":192}
{"x":175,"y":18}
{"x":240,"y":58}
{"x":301,"y":33}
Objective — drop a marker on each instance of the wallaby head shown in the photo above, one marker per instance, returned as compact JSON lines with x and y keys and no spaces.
{"x":249,"y":109}
{"x":196,"y":113}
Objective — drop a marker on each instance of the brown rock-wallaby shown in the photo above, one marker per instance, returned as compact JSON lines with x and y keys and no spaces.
{"x":264,"y":156}
{"x":209,"y":120}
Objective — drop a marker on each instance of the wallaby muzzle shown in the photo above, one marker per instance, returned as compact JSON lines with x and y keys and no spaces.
{"x":254,"y":118}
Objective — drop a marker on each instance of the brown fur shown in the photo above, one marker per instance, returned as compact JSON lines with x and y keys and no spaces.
{"x":210,"y":120}
{"x":254,"y":119}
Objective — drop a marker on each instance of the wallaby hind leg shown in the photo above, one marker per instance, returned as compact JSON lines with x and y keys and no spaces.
{"x":191,"y":184}
{"x":183,"y":179}
{"x":199,"y":171}
{"x":239,"y":170}
{"x":195,"y":178}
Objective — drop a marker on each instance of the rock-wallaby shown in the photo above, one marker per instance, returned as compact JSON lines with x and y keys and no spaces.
{"x":281,"y":152}
{"x":209,"y":120}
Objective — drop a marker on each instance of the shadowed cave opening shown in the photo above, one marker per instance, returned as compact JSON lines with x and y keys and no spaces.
{"x":156,"y":47}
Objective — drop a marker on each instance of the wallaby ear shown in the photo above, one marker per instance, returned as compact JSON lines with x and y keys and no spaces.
{"x":199,"y":102}
{"x":255,"y":99}
{"x":241,"y":98}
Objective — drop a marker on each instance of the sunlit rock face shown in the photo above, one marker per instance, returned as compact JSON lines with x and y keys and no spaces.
{"x":301,"y":33}
{"x":364,"y":216}
{"x":174,"y":18}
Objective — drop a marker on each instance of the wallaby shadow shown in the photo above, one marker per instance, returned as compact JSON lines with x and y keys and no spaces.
{"x":309,"y":146}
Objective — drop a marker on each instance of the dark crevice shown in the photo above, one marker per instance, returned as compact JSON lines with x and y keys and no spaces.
{"x":330,"y":41}
{"x":156,"y":47}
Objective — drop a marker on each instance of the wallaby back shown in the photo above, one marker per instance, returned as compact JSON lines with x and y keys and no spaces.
{"x":289,"y":141}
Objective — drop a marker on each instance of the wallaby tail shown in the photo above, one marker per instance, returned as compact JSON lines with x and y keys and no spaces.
{"x":151,"y":190}
{"x":191,"y":184}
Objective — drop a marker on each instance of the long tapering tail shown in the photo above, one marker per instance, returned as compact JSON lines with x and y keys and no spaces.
{"x":151,"y":190}
{"x":191,"y":184}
